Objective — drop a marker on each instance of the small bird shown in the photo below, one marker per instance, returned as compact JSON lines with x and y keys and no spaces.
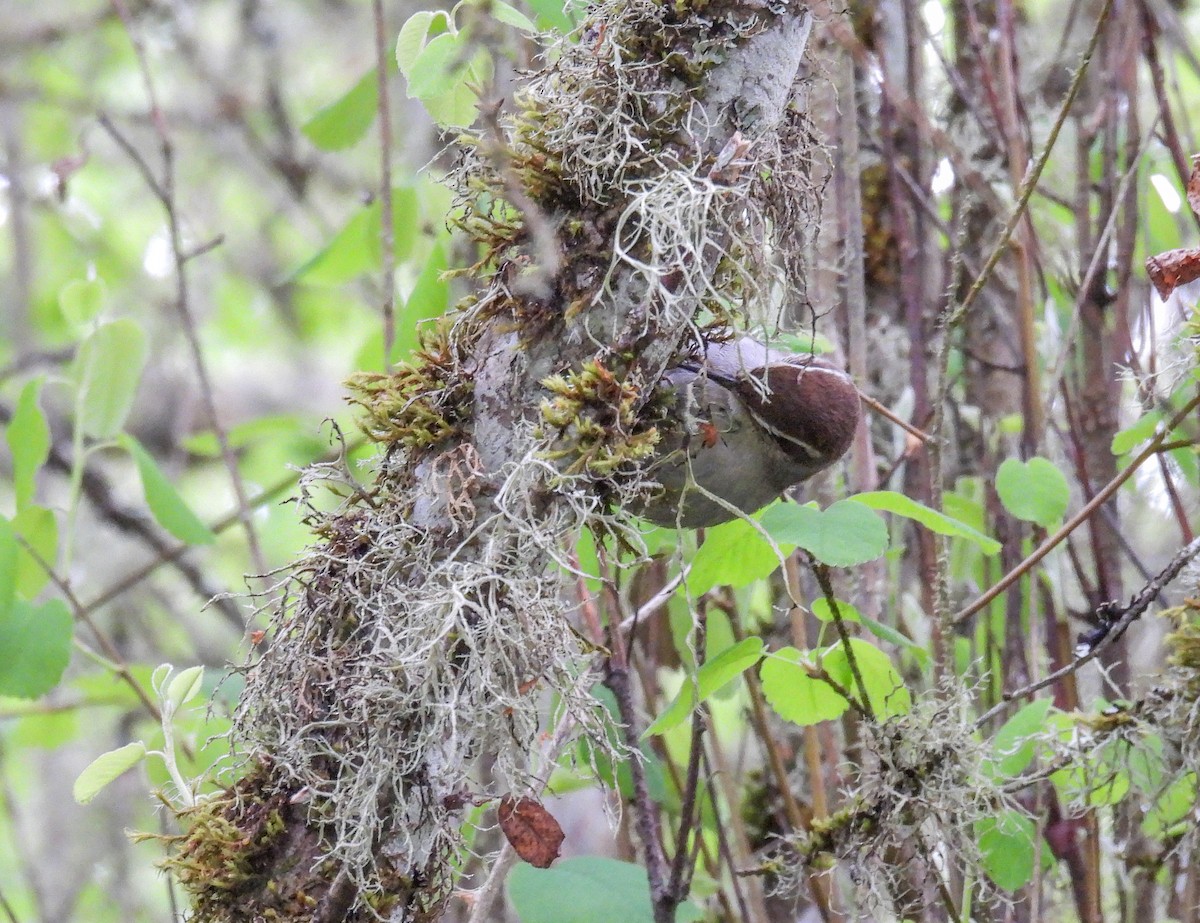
{"x":752,"y":422}
{"x":808,"y":404}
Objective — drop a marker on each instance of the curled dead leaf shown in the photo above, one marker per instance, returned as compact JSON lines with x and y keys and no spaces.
{"x":531,"y":829}
{"x":1172,"y":268}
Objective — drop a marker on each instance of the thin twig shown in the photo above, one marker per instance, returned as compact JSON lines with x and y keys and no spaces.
{"x":821,"y":571}
{"x":723,"y":845}
{"x":173,"y":553}
{"x":617,"y":680}
{"x":113,"y":656}
{"x":164,"y":189}
{"x":99,"y":491}
{"x":1150,"y":33}
{"x":1099,"y":254}
{"x":24,"y":858}
{"x":687,"y":814}
{"x":1079,"y":518}
{"x":1138,"y":605}
{"x":887,"y":414}
{"x":655,"y":602}
{"x":796,"y":815}
{"x":489,"y":891}
{"x":7,"y":907}
{"x":1031,"y":178}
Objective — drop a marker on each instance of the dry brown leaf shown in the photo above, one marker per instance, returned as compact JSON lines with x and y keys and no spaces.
{"x":531,"y":829}
{"x":1173,"y":268}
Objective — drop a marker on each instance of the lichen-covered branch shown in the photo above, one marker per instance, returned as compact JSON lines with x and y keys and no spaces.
{"x":666,"y":153}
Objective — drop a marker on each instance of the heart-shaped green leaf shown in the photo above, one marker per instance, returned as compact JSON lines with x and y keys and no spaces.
{"x":436,"y":69}
{"x":845,"y":534}
{"x":1034,"y":491}
{"x":733,"y":554}
{"x":1006,"y":842}
{"x":794,"y":693}
{"x":885,"y":688}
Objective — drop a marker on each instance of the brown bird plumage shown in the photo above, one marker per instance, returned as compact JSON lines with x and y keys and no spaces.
{"x":753,"y":421}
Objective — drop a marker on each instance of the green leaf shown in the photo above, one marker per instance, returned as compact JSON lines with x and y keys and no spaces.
{"x":586,"y":889}
{"x":438,"y":67}
{"x":444,"y":71}
{"x":164,"y":501}
{"x":710,"y":678}
{"x":1006,"y":842}
{"x":406,"y":221}
{"x":795,"y":695}
{"x":184,"y":687}
{"x":1133,"y":436}
{"x":892,"y":502}
{"x":1013,"y":745}
{"x":345,"y":121}
{"x":845,"y":534}
{"x":35,"y":646}
{"x":1147,"y":766}
{"x":718,"y":632}
{"x":28,"y":437}
{"x":109,"y":367}
{"x":39,"y":528}
{"x":510,"y":16}
{"x":458,"y":107}
{"x":892,"y":636}
{"x":734,"y":554}
{"x":80,"y":300}
{"x":9,"y":557}
{"x":552,"y":15}
{"x":358,"y":248}
{"x":885,"y":688}
{"x":1101,"y":782}
{"x":105,"y":768}
{"x":1172,"y":806}
{"x":430,"y":298}
{"x":1034,"y":491}
{"x":350,"y":254}
{"x":823,"y":612}
{"x":413,"y":35}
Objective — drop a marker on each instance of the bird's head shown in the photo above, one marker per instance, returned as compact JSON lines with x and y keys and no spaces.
{"x":810,"y":407}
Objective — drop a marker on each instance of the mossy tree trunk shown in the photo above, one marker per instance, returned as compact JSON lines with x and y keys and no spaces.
{"x":647,"y":187}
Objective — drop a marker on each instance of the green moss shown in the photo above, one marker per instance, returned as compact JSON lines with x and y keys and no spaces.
{"x":1184,"y":643}
{"x":224,"y":853}
{"x":595,"y":416}
{"x":422,"y":402}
